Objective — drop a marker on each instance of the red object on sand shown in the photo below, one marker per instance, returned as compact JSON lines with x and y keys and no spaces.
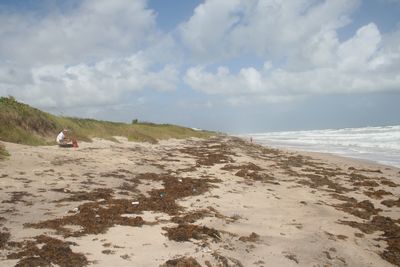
{"x":74,"y":143}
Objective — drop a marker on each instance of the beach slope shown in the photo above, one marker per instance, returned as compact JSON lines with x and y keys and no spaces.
{"x":200,"y":202}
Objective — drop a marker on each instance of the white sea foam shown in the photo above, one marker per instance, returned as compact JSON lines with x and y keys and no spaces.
{"x":379,"y":144}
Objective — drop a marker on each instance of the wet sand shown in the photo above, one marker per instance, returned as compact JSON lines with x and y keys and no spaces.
{"x":216,"y":202}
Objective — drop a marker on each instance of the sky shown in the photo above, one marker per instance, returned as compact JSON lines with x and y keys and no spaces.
{"x":236,"y":66}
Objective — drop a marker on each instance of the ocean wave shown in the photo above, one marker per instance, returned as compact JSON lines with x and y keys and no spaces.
{"x":380,"y":144}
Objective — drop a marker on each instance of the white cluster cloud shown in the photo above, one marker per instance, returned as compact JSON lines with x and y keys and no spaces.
{"x":88,"y":55}
{"x":299,"y":42}
{"x":267,"y":28}
{"x":83,"y":85}
{"x":91,"y":31}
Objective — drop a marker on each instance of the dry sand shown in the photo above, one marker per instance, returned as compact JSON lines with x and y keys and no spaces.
{"x":217,"y":202}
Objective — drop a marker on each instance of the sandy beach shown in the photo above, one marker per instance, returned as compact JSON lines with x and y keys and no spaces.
{"x":194,"y":202}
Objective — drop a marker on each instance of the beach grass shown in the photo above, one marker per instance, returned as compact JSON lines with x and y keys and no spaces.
{"x":24,"y":124}
{"x":3,"y":152}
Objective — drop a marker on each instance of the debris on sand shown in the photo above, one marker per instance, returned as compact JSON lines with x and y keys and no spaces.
{"x":253,"y":237}
{"x":192,"y":217}
{"x":97,"y":217}
{"x":94,"y":218}
{"x":364,"y":170}
{"x":164,"y":200}
{"x":169,"y":192}
{"x":250,"y":171}
{"x":213,"y":158}
{"x":184,"y":232}
{"x":335,"y":237}
{"x":391,"y":234}
{"x":219,"y":215}
{"x":183,"y":188}
{"x":321,"y":181}
{"x":291,"y":257}
{"x":390,"y":203}
{"x":359,"y":180}
{"x":99,"y":193}
{"x":181,"y":262}
{"x":209,"y":153}
{"x":377,"y":194}
{"x":48,"y":251}
{"x":256,"y":176}
{"x":113,"y":174}
{"x":364,"y":209}
{"x":130,"y":187}
{"x":226,"y":261}
{"x":296,"y":161}
{"x":356,"y":177}
{"x":3,"y":239}
{"x":366,"y":184}
{"x":387,"y":182}
{"x":249,"y":166}
{"x":108,"y":251}
{"x":17,"y":197}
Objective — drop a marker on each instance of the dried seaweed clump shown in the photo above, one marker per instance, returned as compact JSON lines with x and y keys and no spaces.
{"x":390,"y":203}
{"x":47,"y":251}
{"x":364,"y":209}
{"x":250,"y":171}
{"x":296,"y":161}
{"x":256,"y":176}
{"x":318,"y":181}
{"x":181,"y":262}
{"x":213,"y":158}
{"x":99,"y":193}
{"x":185,"y":232}
{"x":94,"y":218}
{"x":3,"y":239}
{"x":97,"y":217}
{"x":17,"y":197}
{"x":226,"y":261}
{"x":391,"y":234}
{"x":191,"y":217}
{"x":209,"y":153}
{"x":249,"y":166}
{"x":377,"y":194}
{"x":253,"y":237}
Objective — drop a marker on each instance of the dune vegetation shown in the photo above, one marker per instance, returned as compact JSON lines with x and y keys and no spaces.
{"x":23,"y":124}
{"x":3,"y":152}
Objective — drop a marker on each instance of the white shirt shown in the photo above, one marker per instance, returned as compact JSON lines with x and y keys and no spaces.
{"x":60,"y":137}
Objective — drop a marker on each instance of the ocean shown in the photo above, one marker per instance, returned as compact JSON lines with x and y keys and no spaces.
{"x":378,"y":144}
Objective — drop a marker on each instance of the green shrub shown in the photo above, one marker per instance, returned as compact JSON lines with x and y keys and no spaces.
{"x":3,"y":152}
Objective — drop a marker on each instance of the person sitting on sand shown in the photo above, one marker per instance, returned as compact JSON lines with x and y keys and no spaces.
{"x":61,"y":139}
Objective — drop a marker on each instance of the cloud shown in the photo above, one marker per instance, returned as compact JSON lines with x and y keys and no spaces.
{"x":83,"y":85}
{"x":299,"y":43}
{"x":97,"y":52}
{"x":265,"y":28}
{"x":87,"y":55}
{"x":367,"y":62}
{"x":357,"y":51}
{"x":207,"y":29}
{"x":91,"y":31}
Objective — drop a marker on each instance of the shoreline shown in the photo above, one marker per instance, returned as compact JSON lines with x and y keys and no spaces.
{"x":217,"y":201}
{"x":311,"y":152}
{"x":341,"y":158}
